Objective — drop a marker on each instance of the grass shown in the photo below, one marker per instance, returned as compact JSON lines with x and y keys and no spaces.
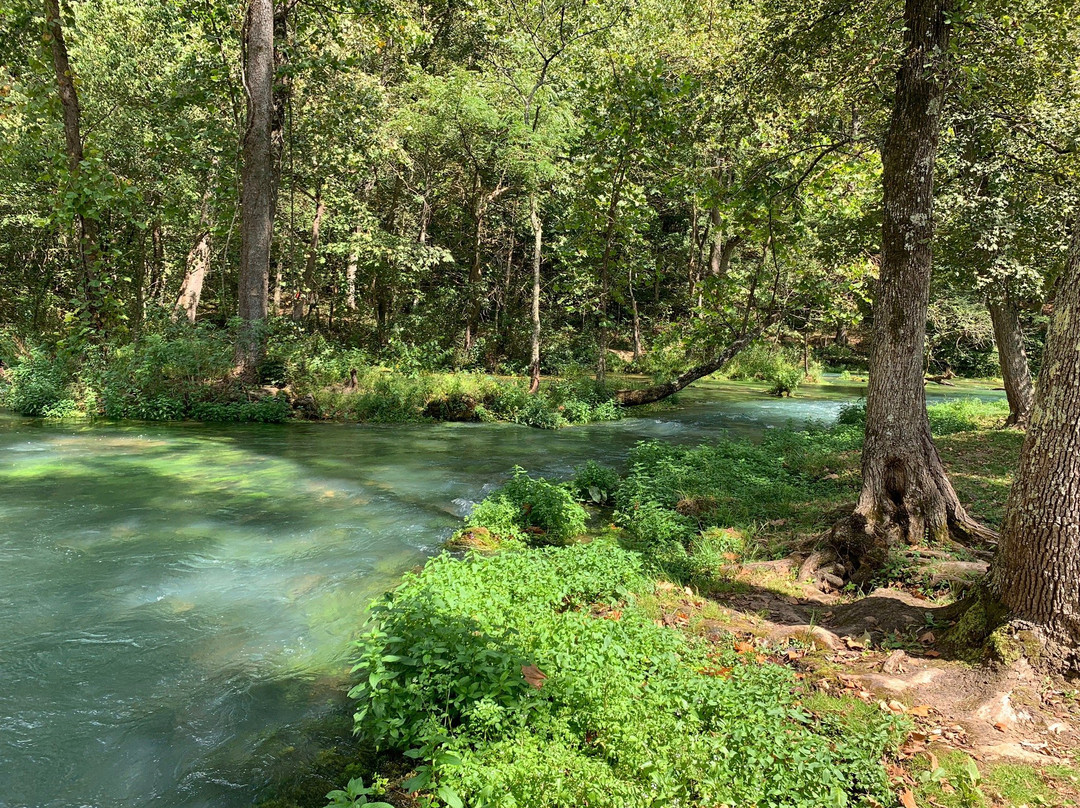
{"x":959,"y":781}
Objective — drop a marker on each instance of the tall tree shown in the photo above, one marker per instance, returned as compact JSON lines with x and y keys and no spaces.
{"x":88,"y":236}
{"x":1015,"y":371}
{"x":257,"y":191}
{"x":1036,"y":572}
{"x":906,"y":494}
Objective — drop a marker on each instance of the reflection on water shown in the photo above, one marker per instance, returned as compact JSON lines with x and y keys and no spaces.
{"x":173,"y":595}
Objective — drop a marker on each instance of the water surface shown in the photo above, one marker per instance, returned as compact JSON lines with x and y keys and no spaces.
{"x":175,"y":597}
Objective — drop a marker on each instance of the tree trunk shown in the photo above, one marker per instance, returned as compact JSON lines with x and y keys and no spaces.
{"x":538,"y":237}
{"x":258,"y":191}
{"x":639,"y":352}
{"x":722,"y":249}
{"x":197,"y":264}
{"x":1015,"y":372}
{"x":89,"y":234}
{"x":350,"y":269}
{"x":1036,"y":572}
{"x":906,"y":495}
{"x":308,"y":296}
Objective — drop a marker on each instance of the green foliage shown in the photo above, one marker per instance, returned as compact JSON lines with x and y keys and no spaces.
{"x":962,"y":414}
{"x":686,"y":507}
{"x":354,"y":794}
{"x":39,"y":384}
{"x":533,"y":678}
{"x":779,"y":366}
{"x":595,"y":483}
{"x":546,"y":512}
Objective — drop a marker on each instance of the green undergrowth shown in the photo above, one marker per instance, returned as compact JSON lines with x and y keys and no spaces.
{"x":178,"y":371}
{"x":534,"y":677}
{"x":531,"y":510}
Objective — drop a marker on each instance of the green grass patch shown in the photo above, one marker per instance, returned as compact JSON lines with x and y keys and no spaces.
{"x":534,"y":678}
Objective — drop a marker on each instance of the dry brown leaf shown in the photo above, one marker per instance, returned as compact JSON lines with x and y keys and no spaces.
{"x":921,"y":710}
{"x":907,"y":799}
{"x":533,"y":675}
{"x":744,"y":647}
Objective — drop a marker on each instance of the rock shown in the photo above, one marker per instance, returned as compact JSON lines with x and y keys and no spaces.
{"x":894,"y":663}
{"x":812,"y":635}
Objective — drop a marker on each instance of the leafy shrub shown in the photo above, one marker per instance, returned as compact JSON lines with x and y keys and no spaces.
{"x":533,"y":678}
{"x":595,"y":483}
{"x":545,"y":511}
{"x":779,"y":366}
{"x":40,"y":385}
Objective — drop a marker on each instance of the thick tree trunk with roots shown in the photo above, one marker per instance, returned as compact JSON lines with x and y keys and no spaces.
{"x":1036,"y":572}
{"x":1015,"y":372}
{"x":906,"y":495}
{"x":538,"y":239}
{"x":257,"y":191}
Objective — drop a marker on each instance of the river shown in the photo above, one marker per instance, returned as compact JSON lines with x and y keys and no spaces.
{"x":176,"y":600}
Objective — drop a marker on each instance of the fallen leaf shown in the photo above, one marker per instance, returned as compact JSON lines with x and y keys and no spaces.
{"x":533,"y":675}
{"x":744,"y":647}
{"x":907,"y":799}
{"x":921,"y":710}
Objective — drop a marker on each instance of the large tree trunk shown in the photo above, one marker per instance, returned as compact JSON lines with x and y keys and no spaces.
{"x":1036,"y":572}
{"x":906,"y":494}
{"x":1015,"y":372}
{"x":258,"y":186}
{"x":538,"y":238}
{"x":89,"y":234}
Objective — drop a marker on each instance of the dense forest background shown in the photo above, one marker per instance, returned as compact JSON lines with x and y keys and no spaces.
{"x":663,"y":179}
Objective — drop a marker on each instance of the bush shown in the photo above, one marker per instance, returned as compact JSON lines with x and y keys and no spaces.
{"x":40,"y":385}
{"x":533,"y":678}
{"x":781,"y":367}
{"x":545,"y":512}
{"x":595,"y":483}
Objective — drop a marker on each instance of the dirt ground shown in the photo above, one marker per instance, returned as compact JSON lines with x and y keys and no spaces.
{"x":885,"y":648}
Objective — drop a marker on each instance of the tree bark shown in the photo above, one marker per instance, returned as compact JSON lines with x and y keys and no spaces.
{"x":1015,"y":372}
{"x":639,"y":351}
{"x":351,"y":267}
{"x":89,"y":237}
{"x":258,"y":186}
{"x":538,"y":237}
{"x":1036,"y":572}
{"x":308,"y":296}
{"x":906,"y":494}
{"x":197,"y":264}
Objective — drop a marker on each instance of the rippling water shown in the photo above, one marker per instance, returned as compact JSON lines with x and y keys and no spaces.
{"x":173,"y":596}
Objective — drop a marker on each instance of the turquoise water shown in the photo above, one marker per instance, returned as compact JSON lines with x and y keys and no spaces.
{"x":176,"y":599}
